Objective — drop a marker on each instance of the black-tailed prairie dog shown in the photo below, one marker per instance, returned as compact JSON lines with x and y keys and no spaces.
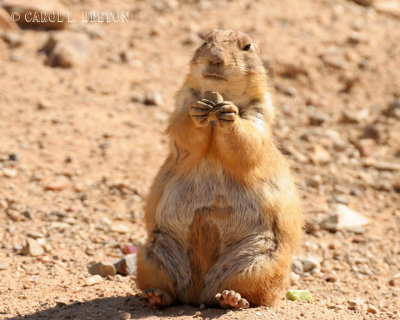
{"x":223,"y":215}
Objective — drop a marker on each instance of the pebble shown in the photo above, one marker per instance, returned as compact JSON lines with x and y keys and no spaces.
{"x":334,"y":58}
{"x":127,"y":265}
{"x":345,"y":218}
{"x":93,"y":280}
{"x":198,"y":314}
{"x":372,"y":309}
{"x":13,"y":157}
{"x":120,"y":228}
{"x":318,"y":119}
{"x":388,"y":7}
{"x":67,"y":49}
{"x":349,"y":117}
{"x":58,"y":184}
{"x":386,"y":166}
{"x":310,"y":264}
{"x":32,"y":248}
{"x":14,"y":215}
{"x":13,"y":39}
{"x":340,"y":199}
{"x":393,"y":109}
{"x":10,"y":173}
{"x":137,"y":97}
{"x":312,"y":226}
{"x":153,"y":98}
{"x":4,"y":265}
{"x":364,"y":2}
{"x":44,"y":104}
{"x":355,"y":38}
{"x":103,"y":269}
{"x":35,"y":235}
{"x":297,"y":266}
{"x":392,"y":282}
{"x":320,"y":155}
{"x":370,"y":132}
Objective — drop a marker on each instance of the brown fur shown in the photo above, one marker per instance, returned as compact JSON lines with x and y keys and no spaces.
{"x":223,"y":212}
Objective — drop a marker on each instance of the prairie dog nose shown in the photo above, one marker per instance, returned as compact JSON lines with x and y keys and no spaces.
{"x":216,"y":56}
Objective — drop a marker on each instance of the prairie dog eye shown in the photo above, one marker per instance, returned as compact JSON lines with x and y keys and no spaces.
{"x":247,"y":47}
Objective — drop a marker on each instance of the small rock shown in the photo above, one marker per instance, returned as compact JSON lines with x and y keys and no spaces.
{"x":32,"y":248}
{"x":103,"y":269}
{"x":137,"y":97}
{"x":198,"y":314}
{"x":310,"y":264}
{"x":93,"y":280}
{"x":355,"y":38}
{"x":349,"y":117}
{"x":289,"y":91}
{"x":30,"y":13}
{"x":181,"y":312}
{"x":345,"y":218}
{"x":35,"y":235}
{"x":13,"y":157}
{"x":9,"y":173}
{"x":120,"y":228}
{"x":382,"y":165}
{"x":297,"y":266}
{"x":331,"y":278}
{"x":312,"y":226}
{"x":67,"y":49}
{"x":4,"y":265}
{"x":372,"y":309}
{"x":354,"y":304}
{"x":364,"y":147}
{"x":320,"y":155}
{"x":365,"y":3}
{"x":58,"y":184}
{"x":393,"y":109}
{"x":153,"y":98}
{"x":13,"y":39}
{"x":127,"y":265}
{"x":317,"y":119}
{"x":15,"y":57}
{"x":390,"y":7}
{"x":6,"y":23}
{"x":44,"y":105}
{"x":294,"y":278}
{"x":340,"y":199}
{"x":334,"y":58}
{"x":370,"y":132}
{"x":13,"y":214}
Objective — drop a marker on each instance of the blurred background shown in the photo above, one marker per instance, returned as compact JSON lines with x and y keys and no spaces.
{"x":83,"y":107}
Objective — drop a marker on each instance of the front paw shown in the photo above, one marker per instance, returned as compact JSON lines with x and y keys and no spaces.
{"x":200,"y":110}
{"x":226,"y":113}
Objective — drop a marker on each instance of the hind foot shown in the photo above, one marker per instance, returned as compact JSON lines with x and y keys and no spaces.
{"x":231,"y":299}
{"x":155,"y":297}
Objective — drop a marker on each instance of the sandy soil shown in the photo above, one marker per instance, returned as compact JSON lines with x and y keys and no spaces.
{"x":84,"y":132}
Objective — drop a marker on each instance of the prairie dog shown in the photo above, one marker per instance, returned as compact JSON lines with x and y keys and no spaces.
{"x":223,"y":215}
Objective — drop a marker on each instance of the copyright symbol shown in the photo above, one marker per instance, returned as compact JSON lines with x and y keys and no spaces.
{"x":15,"y":16}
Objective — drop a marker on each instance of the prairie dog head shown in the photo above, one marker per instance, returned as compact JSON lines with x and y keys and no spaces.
{"x":227,"y":61}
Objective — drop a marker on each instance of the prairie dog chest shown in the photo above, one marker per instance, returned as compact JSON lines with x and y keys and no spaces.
{"x":208,"y":191}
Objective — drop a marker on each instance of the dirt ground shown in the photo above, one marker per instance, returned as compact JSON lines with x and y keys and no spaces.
{"x":79,"y":149}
